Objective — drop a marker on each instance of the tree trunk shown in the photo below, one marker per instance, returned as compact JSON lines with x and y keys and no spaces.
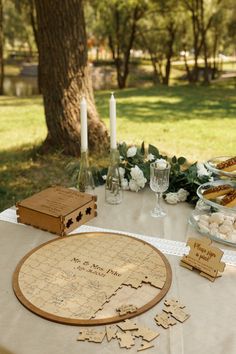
{"x":1,"y":49}
{"x":167,"y":72}
{"x":156,"y":75}
{"x":34,"y":26}
{"x":206,"y":67}
{"x":188,"y":71}
{"x":204,"y":43}
{"x":65,"y":76}
{"x":170,"y":52}
{"x":215,"y":45}
{"x":129,"y":47}
{"x":121,"y":56}
{"x":196,"y":55}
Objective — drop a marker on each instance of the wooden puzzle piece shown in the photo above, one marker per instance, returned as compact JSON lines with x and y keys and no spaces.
{"x":124,"y":309}
{"x":144,"y":346}
{"x":157,"y":280}
{"x":126,"y":339}
{"x":91,"y":335}
{"x":177,"y":313}
{"x":134,"y":282}
{"x":127,"y":325}
{"x":174,"y":302}
{"x":154,"y":281}
{"x":165,"y":320}
{"x":111,"y":332}
{"x":204,"y":257}
{"x":146,"y":333}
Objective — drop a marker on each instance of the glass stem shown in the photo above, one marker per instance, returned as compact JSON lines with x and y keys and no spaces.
{"x":158,"y":204}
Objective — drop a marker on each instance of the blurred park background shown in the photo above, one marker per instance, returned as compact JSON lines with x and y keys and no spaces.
{"x":171,"y":64}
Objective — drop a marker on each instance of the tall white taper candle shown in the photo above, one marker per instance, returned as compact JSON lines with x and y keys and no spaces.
{"x":113,"y":121}
{"x":83,"y":123}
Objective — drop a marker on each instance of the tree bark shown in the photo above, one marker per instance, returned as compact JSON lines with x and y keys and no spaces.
{"x":170,"y":52}
{"x":121,"y":52}
{"x":215,"y":45}
{"x":1,"y":49}
{"x":65,"y":77}
{"x":204,"y":42}
{"x":34,"y":26}
{"x":156,"y":74}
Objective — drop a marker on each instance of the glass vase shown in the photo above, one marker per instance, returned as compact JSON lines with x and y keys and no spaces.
{"x":113,"y":190}
{"x":85,"y":179}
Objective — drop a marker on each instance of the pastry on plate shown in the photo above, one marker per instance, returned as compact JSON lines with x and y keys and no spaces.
{"x":214,"y":192}
{"x":227,"y":165}
{"x":229,"y":199}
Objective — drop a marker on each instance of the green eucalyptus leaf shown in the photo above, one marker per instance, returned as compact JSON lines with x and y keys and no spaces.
{"x":123,"y":149}
{"x":153,"y":150}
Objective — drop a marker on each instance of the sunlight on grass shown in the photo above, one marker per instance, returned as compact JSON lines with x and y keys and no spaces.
{"x":21,"y":122}
{"x":195,"y":122}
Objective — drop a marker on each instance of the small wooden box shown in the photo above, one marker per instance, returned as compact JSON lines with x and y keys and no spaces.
{"x":57,"y":209}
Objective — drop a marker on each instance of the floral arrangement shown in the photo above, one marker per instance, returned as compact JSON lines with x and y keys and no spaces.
{"x":135,"y":173}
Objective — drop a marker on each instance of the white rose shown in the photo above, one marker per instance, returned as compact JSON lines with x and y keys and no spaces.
{"x":202,"y":171}
{"x":150,"y":157}
{"x":133,"y":186}
{"x":136,"y":173}
{"x":161,"y":164}
{"x":121,"y":172}
{"x":131,"y":152}
{"x":141,"y":182}
{"x":104,"y":177}
{"x":182,"y":194}
{"x":172,"y":198}
{"x":124,"y":184}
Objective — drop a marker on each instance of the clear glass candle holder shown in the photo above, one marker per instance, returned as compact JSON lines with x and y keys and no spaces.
{"x":113,"y":189}
{"x":85,"y":179}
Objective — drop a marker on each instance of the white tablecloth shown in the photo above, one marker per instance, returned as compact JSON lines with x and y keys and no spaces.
{"x":211,"y":328}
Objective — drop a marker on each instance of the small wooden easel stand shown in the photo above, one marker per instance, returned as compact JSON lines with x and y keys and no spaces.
{"x":204,"y":257}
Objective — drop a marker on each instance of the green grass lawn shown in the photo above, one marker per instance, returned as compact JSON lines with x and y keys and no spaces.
{"x":195,"y":122}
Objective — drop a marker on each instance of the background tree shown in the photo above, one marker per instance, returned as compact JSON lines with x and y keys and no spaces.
{"x":158,"y":34}
{"x":65,"y":76}
{"x":202,"y":13}
{"x":28,"y":7}
{"x":119,"y":21}
{"x":17,"y":29}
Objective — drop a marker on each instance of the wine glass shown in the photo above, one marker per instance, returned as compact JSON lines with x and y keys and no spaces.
{"x":159,"y":183}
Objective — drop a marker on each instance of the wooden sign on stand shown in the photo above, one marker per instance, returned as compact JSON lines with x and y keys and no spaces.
{"x":204,"y":257}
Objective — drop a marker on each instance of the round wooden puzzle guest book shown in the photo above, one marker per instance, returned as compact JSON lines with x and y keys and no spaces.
{"x":92,"y":278}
